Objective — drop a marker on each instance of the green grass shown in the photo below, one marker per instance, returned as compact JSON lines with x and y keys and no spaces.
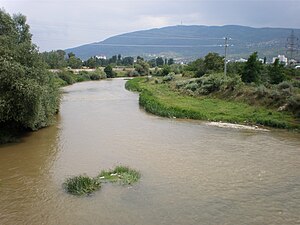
{"x":161,"y":100}
{"x":81,"y":185}
{"x":84,"y":185}
{"x":121,"y":174}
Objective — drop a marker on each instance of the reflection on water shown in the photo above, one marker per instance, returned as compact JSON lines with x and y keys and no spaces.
{"x":191,"y":173}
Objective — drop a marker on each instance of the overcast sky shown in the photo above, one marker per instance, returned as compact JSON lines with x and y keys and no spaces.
{"x":60,"y":24}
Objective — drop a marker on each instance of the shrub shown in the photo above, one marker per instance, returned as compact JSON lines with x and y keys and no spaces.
{"x":109,"y":72}
{"x":210,"y":83}
{"x":133,"y":73}
{"x":169,"y":77}
{"x":121,"y":174}
{"x":81,"y":185}
{"x":165,"y":70}
{"x":95,"y":76}
{"x":192,"y":86}
{"x":180,"y":83}
{"x":294,"y":105}
{"x":261,"y":91}
{"x":285,"y":85}
{"x":188,"y":74}
{"x":67,"y":76}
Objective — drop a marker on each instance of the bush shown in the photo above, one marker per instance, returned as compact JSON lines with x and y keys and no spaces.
{"x":81,"y":185}
{"x":261,"y":91}
{"x":66,"y":76}
{"x":192,"y":86}
{"x":94,"y":76}
{"x":121,"y":174}
{"x":188,"y":74}
{"x":84,"y":185}
{"x":165,"y":70}
{"x":133,"y":73}
{"x":285,"y":85}
{"x":169,"y":77}
{"x":109,"y":72}
{"x":294,"y":105}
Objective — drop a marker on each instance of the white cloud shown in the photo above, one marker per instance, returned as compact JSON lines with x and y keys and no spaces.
{"x":68,"y":23}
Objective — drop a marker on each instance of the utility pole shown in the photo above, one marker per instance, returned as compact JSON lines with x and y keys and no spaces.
{"x":225,"y":59}
{"x":292,"y":45}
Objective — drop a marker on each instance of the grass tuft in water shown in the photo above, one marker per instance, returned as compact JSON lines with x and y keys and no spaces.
{"x":81,"y":185}
{"x":122,"y":174}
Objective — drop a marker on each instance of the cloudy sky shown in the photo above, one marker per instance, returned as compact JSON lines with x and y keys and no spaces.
{"x":60,"y":24}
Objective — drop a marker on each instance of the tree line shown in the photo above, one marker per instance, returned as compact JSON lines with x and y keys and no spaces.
{"x":60,"y":59}
{"x":29,"y":96}
{"x":252,"y":71}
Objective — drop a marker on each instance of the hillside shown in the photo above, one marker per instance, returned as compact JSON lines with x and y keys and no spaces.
{"x":190,"y":42}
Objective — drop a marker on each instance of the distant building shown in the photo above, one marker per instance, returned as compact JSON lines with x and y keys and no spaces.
{"x":292,"y":62}
{"x":241,"y":60}
{"x":282,"y":59}
{"x":100,"y":56}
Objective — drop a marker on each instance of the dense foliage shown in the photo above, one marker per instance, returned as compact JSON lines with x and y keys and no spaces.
{"x":28,"y":95}
{"x":59,"y":59}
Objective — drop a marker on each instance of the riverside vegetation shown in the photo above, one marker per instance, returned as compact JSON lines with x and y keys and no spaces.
{"x":207,"y":94}
{"x":29,"y":96}
{"x":84,"y":185}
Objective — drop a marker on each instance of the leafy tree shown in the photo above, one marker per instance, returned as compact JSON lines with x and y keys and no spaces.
{"x":139,"y":58}
{"x":197,"y":67}
{"x":213,"y":62}
{"x":159,"y":61}
{"x":127,"y":61}
{"x":119,"y":57}
{"x":113,"y":59}
{"x":152,"y":63}
{"x":165,"y":70}
{"x":276,"y":72}
{"x":252,"y":69}
{"x":91,"y":62}
{"x":235,"y":67}
{"x":71,"y":54}
{"x":28,"y":95}
{"x":55,"y":59}
{"x":109,"y":71}
{"x":142,"y":67}
{"x":170,"y":61}
{"x":74,"y":62}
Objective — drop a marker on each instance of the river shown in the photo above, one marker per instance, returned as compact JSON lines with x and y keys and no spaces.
{"x":192,"y":173}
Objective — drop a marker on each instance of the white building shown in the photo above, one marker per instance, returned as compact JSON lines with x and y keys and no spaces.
{"x":100,"y":56}
{"x":241,"y":60}
{"x":282,"y":59}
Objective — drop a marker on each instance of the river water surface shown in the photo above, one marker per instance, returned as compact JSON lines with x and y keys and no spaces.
{"x":192,"y":173}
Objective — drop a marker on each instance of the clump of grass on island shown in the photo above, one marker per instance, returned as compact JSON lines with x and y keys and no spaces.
{"x":81,"y":185}
{"x":122,"y":174}
{"x":84,"y":185}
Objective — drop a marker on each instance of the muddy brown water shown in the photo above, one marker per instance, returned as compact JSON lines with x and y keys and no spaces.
{"x":192,"y":173}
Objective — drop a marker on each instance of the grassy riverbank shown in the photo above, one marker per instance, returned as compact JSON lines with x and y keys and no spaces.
{"x":160,"y":99}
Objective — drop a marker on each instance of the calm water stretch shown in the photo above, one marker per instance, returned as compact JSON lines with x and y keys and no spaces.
{"x":192,"y":173}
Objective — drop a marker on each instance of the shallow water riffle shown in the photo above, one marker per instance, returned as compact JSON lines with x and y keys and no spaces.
{"x":192,"y":173}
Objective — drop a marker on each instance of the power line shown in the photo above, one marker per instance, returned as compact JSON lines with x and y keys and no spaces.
{"x":170,"y":38}
{"x":292,"y":45}
{"x":149,"y":45}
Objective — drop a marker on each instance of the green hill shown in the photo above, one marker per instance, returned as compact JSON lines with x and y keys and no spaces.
{"x":190,"y":42}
